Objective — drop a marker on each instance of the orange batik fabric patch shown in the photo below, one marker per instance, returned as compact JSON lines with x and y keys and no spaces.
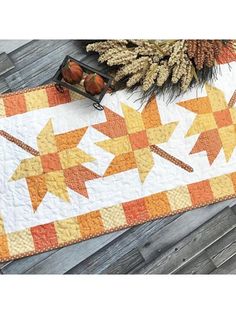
{"x":69,"y":172}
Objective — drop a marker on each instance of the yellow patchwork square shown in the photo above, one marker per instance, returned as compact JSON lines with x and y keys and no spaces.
{"x":73,"y":157}
{"x":2,"y":109}
{"x":113,"y":217}
{"x":20,"y":242}
{"x":133,"y":119}
{"x":36,"y":100}
{"x":160,"y":134}
{"x":222,"y":186}
{"x":228,"y":139}
{"x":2,"y":231}
{"x":216,"y":97}
{"x":201,"y":123}
{"x":67,"y":230}
{"x":179,"y":198}
{"x":27,"y":168}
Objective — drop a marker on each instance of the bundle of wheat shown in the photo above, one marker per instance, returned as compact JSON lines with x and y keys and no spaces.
{"x":160,"y":65}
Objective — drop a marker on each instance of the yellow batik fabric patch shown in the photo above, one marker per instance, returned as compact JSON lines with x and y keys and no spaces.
{"x":222,"y":186}
{"x":179,"y":198}
{"x":2,"y":230}
{"x":20,"y":242}
{"x":36,"y":100}
{"x":2,"y":109}
{"x":67,"y":230}
{"x":113,"y":217}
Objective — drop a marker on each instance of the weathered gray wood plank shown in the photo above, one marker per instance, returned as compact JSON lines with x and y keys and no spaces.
{"x":11,"y":45}
{"x":4,"y":88}
{"x":22,"y":265}
{"x":206,"y":237}
{"x":40,"y":70}
{"x":201,"y":264}
{"x":66,"y":258}
{"x":125,"y":264}
{"x":234,"y":208}
{"x":5,"y":63}
{"x":15,"y":79}
{"x":223,"y":249}
{"x":227,"y":268}
{"x":34,"y":50}
{"x":107,"y":257}
{"x":180,"y":228}
{"x":2,"y":265}
{"x":180,"y":252}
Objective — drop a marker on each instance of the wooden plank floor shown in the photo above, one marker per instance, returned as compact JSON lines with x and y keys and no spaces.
{"x":202,"y":241}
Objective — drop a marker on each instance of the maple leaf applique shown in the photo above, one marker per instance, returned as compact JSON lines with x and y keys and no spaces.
{"x":215,"y":121}
{"x":134,"y":138}
{"x":56,"y":166}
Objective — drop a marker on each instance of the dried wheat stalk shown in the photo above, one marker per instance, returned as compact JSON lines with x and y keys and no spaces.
{"x":152,"y":63}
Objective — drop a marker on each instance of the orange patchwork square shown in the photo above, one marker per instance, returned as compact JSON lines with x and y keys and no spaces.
{"x":44,"y":236}
{"x":138,"y":140}
{"x":57,"y":98}
{"x":157,"y":204}
{"x":223,"y":118}
{"x":200,"y":192}
{"x":4,"y":252}
{"x":90,"y":224}
{"x":15,"y":104}
{"x":135,"y":211}
{"x":50,"y":162}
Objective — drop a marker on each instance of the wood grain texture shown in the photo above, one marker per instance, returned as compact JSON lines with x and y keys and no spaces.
{"x":11,"y":45}
{"x":4,"y":87}
{"x":223,"y":249}
{"x":126,"y":263}
{"x":5,"y":63}
{"x":197,"y":242}
{"x":66,"y":258}
{"x":227,"y":268}
{"x":24,"y":264}
{"x":15,"y":79}
{"x":180,"y":228}
{"x":180,"y":251}
{"x":201,"y":264}
{"x":107,"y":257}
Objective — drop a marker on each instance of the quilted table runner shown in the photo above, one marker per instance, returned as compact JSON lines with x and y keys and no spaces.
{"x":69,"y":172}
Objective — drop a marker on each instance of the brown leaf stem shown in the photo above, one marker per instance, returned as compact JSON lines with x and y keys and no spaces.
{"x":19,"y":143}
{"x":171,"y":158}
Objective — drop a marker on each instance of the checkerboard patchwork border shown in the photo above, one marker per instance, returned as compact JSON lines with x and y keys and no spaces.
{"x":60,"y":233}
{"x":33,"y":99}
